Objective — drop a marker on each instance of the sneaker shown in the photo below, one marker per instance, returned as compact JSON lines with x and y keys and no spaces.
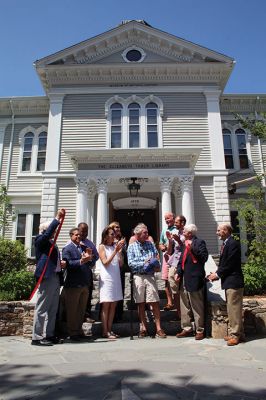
{"x":161,"y":334}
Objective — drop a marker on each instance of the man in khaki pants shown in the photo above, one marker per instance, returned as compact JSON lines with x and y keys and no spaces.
{"x":230,"y":272}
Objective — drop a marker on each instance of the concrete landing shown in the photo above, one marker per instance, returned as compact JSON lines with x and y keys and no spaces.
{"x":148,"y":369}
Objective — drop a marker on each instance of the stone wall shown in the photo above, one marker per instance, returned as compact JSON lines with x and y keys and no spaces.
{"x":16,"y":318}
{"x":254,"y":313}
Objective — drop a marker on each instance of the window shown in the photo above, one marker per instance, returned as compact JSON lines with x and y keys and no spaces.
{"x":27,"y":151}
{"x":152,"y":128}
{"x":242,"y":148}
{"x":134,"y":122}
{"x":33,"y":149}
{"x":228,"y":152}
{"x":134,"y":54}
{"x":116,"y":125}
{"x":42,"y":141}
{"x":235,"y":148}
{"x":26,"y":231}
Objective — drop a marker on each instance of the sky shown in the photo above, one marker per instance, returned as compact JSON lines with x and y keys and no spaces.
{"x":32,"y":29}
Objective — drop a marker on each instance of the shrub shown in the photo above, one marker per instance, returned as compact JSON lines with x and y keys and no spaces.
{"x":255,"y":278}
{"x":16,"y":285}
{"x":12,"y":256}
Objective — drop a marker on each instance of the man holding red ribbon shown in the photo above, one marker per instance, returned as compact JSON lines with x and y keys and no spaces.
{"x":47,"y":271}
{"x":191,"y":273}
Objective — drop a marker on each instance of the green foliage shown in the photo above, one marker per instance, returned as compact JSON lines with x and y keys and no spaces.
{"x":16,"y":285}
{"x":252,"y":210}
{"x":12,"y":256}
{"x":255,"y":278}
{"x":5,"y":209}
{"x":257,"y":126}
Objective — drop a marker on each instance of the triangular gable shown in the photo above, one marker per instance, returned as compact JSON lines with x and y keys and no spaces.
{"x":105,"y":46}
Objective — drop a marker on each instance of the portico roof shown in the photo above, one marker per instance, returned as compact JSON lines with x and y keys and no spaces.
{"x":138,"y":158}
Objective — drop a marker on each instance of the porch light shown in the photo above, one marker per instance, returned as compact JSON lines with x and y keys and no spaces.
{"x":133,"y":187}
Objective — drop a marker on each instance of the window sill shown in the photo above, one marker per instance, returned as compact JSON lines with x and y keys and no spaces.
{"x":29,"y":174}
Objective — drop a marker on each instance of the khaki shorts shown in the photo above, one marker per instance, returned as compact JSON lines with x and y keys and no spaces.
{"x":173,"y":284}
{"x":145,"y":289}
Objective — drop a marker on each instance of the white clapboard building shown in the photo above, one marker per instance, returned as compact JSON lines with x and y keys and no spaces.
{"x":132,"y":108}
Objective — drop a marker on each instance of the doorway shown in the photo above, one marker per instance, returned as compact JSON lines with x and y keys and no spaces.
{"x":129,"y":218}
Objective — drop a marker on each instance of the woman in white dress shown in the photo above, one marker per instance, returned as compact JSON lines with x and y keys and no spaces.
{"x":110,"y":280}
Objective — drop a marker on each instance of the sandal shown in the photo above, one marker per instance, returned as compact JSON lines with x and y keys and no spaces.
{"x":168,"y":307}
{"x":110,"y":336}
{"x":115,"y":334}
{"x":143,"y":334}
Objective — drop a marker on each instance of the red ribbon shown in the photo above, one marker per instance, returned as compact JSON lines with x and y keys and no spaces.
{"x":49,"y":254}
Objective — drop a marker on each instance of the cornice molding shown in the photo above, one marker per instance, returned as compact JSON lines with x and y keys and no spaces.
{"x":243,"y":103}
{"x":24,"y":106}
{"x":136,"y":74}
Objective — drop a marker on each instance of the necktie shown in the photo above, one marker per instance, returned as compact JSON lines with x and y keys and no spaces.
{"x":222,"y":249}
{"x":79,"y":249}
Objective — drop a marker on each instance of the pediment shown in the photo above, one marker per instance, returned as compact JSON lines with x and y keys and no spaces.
{"x":107,"y":48}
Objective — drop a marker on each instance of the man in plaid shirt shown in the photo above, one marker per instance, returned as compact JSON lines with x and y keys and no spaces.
{"x":140,"y":253}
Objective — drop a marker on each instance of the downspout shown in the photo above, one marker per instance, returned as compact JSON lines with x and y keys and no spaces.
{"x":9,"y":153}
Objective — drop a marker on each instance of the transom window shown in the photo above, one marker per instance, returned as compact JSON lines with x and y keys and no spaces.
{"x":134,"y":124}
{"x":33,"y":149}
{"x":235,"y":149}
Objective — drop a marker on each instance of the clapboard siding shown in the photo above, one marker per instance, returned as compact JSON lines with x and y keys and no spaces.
{"x":67,"y":199}
{"x":255,"y":155}
{"x":204,"y":206}
{"x":185,"y":123}
{"x":18,"y":183}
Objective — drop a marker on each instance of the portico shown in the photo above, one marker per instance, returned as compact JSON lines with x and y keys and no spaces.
{"x":169,"y":173}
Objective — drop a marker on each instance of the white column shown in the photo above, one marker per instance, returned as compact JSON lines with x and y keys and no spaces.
{"x":166,"y":187}
{"x":215,"y":129}
{"x":91,"y":198}
{"x":82,"y":200}
{"x":177,"y":191}
{"x":54,"y":132}
{"x":102,"y":186}
{"x":187,"y":198}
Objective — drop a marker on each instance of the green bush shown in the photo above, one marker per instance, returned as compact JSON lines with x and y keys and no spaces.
{"x":255,"y":278}
{"x":16,"y":285}
{"x":12,"y":256}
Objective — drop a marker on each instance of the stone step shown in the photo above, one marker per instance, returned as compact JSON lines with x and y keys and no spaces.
{"x":124,"y":328}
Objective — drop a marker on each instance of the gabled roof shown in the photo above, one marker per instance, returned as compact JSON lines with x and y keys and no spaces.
{"x":159,"y":47}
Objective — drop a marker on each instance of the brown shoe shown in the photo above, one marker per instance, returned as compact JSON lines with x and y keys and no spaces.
{"x":161,"y":334}
{"x":233,"y":341}
{"x":184,"y":333}
{"x":199,"y":336}
{"x":241,"y":339}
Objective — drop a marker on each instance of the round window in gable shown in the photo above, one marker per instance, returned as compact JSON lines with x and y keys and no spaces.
{"x":133,"y":54}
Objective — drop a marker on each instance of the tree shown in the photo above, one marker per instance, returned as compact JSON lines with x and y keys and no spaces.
{"x":255,"y":124}
{"x":5,"y":209}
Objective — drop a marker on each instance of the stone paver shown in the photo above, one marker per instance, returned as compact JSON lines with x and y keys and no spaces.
{"x":125,"y":369}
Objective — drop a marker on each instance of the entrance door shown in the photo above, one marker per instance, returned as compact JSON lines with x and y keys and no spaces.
{"x":129,"y":218}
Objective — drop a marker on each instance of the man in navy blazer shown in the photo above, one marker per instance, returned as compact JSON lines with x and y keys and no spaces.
{"x":79,"y":261}
{"x":48,"y":292}
{"x":232,"y":280}
{"x":191,"y":273}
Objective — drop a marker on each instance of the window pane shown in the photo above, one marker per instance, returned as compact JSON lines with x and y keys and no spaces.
{"x":151,"y":105}
{"x":242,"y":148}
{"x":134,"y":139}
{"x":41,"y":164}
{"x":228,"y":153}
{"x":116,"y":117}
{"x":35,"y":231}
{"x":116,"y":140}
{"x":229,"y":163}
{"x":21,"y":225}
{"x":26,"y":164}
{"x":116,"y":106}
{"x":134,"y":105}
{"x":243,"y":160}
{"x":152,"y":139}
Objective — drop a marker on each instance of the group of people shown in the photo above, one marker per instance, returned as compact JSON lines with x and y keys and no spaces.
{"x":182,"y":265}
